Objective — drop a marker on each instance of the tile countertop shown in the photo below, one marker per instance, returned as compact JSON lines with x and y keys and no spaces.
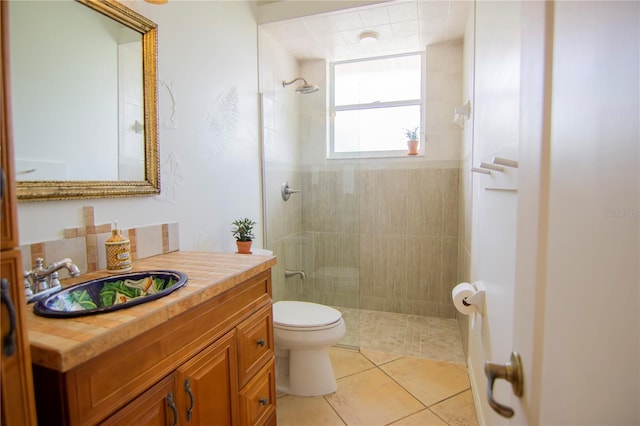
{"x":62,"y":344}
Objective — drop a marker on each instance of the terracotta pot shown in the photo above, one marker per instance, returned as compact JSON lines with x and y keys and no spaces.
{"x":244,"y":247}
{"x":413,"y":147}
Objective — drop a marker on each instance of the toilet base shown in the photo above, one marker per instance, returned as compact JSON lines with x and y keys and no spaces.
{"x":294,"y":377}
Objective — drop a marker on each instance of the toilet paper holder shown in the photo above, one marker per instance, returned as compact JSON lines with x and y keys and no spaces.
{"x":477,"y":299}
{"x":469,"y":298}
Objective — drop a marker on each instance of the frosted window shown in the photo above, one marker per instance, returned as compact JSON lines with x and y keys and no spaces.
{"x":380,"y":80}
{"x":372,"y":102}
{"x":379,"y":129}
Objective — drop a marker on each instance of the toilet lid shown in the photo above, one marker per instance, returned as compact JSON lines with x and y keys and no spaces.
{"x":304,"y":314}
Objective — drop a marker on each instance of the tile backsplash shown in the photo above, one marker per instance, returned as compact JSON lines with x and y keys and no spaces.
{"x":85,"y":245}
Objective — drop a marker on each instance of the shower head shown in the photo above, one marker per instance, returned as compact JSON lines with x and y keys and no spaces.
{"x":305,"y":89}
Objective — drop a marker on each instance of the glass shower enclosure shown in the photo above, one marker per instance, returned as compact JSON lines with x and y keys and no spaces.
{"x":315,"y":231}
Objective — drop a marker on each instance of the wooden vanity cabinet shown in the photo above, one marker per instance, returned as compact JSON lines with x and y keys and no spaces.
{"x":214,"y":363}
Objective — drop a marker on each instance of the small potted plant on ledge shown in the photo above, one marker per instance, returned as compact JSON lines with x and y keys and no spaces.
{"x":412,"y":140}
{"x":243,"y":233}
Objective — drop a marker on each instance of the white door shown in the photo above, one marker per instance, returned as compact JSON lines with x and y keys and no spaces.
{"x":576,"y":307}
{"x":496,"y":134}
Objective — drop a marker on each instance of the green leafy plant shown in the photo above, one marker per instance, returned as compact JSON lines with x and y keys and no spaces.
{"x":411,"y":135}
{"x":243,"y":229}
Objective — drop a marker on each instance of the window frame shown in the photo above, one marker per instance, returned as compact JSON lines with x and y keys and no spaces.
{"x":332,"y":154}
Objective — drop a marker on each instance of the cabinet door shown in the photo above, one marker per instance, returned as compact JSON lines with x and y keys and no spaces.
{"x":208,"y":385}
{"x":155,"y":407}
{"x":18,"y":406}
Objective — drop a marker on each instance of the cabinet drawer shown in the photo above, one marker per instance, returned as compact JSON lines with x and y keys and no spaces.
{"x":258,"y":398}
{"x":255,"y":343}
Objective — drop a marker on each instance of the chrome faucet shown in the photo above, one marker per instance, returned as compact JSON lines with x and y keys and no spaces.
{"x":40,"y":281}
{"x":288,"y":273}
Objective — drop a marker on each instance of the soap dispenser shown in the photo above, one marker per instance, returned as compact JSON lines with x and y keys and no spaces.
{"x":118,"y":251}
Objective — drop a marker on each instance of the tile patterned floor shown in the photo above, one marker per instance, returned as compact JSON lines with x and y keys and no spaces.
{"x":414,"y":335}
{"x":409,"y":371}
{"x":377,"y":388}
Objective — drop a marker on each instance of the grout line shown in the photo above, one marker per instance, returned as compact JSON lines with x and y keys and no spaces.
{"x":405,"y":389}
{"x":436,"y":414}
{"x":357,"y":372}
{"x":400,"y":356}
{"x":334,"y":410}
{"x":449,"y":397}
{"x":417,"y":412}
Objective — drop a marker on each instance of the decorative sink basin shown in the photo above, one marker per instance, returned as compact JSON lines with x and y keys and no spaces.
{"x":110,"y":293}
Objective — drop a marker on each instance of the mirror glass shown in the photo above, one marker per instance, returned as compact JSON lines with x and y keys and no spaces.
{"x":83,"y":100}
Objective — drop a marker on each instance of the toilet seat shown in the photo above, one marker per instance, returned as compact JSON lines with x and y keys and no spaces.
{"x":304,"y":316}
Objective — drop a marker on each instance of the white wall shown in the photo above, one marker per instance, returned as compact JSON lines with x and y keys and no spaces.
{"x":208,"y":133}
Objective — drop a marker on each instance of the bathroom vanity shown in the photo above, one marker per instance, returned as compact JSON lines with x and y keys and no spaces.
{"x":201,"y":355}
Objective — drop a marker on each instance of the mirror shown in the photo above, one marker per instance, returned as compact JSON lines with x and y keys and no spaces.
{"x":84,"y":100}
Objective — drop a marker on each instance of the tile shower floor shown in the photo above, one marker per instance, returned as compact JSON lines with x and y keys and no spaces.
{"x":409,"y":371}
{"x":415,"y":335}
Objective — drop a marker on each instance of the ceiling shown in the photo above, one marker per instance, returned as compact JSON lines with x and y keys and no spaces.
{"x":402,"y":25}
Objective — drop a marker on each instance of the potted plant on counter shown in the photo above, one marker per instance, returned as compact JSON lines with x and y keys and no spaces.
{"x":412,"y":140}
{"x":243,"y":233}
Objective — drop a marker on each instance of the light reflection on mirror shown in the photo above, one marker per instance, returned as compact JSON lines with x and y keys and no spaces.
{"x":77,"y":94}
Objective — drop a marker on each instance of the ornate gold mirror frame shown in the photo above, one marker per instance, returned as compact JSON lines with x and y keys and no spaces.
{"x":69,"y":190}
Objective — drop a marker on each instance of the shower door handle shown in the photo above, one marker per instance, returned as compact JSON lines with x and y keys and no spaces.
{"x":286,"y":191}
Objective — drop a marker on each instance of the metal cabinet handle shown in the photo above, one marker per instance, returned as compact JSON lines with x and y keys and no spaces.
{"x":172,"y":405}
{"x":9,"y":341}
{"x":263,"y":401}
{"x":512,"y":373}
{"x":261,"y":342}
{"x":187,"y":387}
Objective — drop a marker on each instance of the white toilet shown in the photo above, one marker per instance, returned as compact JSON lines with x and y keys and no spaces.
{"x":303,"y":333}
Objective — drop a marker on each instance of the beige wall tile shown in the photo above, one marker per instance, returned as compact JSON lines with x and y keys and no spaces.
{"x":174,"y":236}
{"x":390,"y":201}
{"x":25,"y":252}
{"x":424,"y":203}
{"x":74,"y":248}
{"x":367,"y":201}
{"x":148,"y":241}
{"x":372,"y":303}
{"x":449,"y":270}
{"x":101,"y":239}
{"x":450,"y":202}
{"x":423,"y":268}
